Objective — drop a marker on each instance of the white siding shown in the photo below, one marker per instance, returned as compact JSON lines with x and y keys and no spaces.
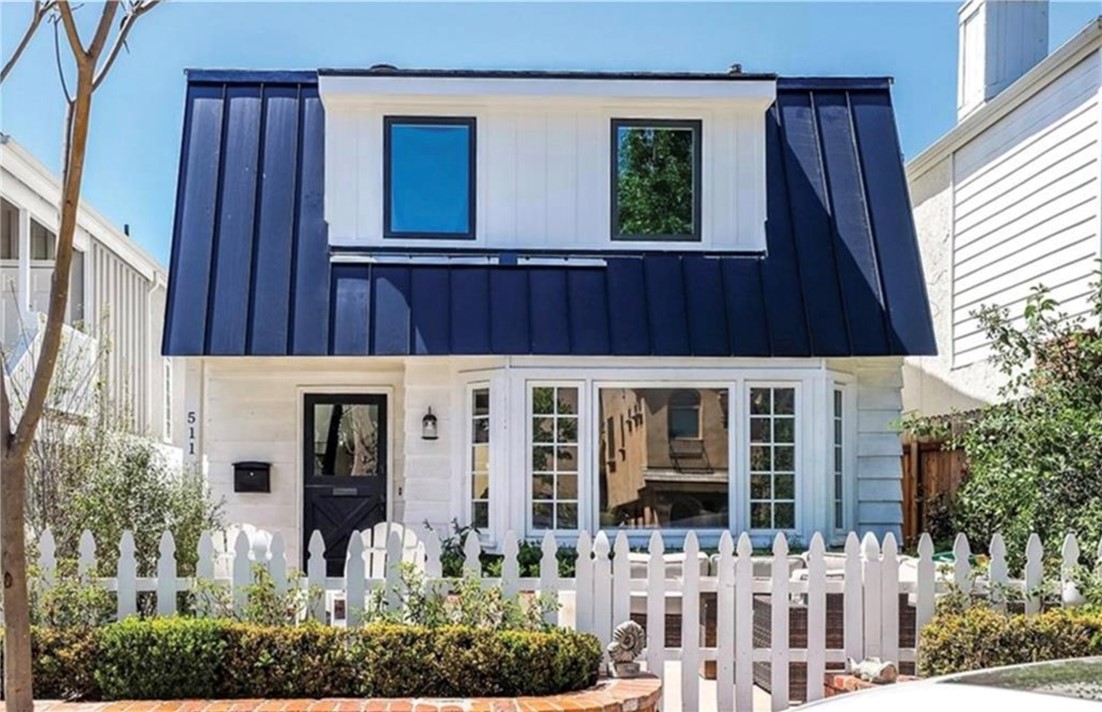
{"x":543,"y":173}
{"x":1026,"y":207}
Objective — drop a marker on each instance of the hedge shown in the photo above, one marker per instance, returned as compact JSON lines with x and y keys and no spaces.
{"x":979,"y":637}
{"x":180,"y":658}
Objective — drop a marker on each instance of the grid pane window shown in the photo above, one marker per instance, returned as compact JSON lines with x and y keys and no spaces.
{"x":772,"y":458}
{"x":480,"y":458}
{"x":839,"y":492}
{"x":554,"y":457}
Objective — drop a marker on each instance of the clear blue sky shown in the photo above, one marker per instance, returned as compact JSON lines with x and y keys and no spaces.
{"x":135,"y":135}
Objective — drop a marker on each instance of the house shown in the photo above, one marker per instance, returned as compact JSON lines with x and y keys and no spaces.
{"x":115,"y":315}
{"x":544,"y":301}
{"x":1008,"y":198}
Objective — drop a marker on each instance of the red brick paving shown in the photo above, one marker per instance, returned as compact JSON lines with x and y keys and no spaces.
{"x":636,"y":695}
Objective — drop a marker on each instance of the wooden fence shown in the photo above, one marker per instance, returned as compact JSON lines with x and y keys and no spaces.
{"x":845,"y":604}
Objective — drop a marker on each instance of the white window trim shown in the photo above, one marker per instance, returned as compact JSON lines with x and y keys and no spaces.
{"x":166,"y":400}
{"x":468,"y":467}
{"x":814,"y":391}
{"x":847,"y":383}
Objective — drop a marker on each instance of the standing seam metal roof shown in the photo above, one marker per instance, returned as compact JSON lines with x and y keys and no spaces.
{"x":251,"y":271}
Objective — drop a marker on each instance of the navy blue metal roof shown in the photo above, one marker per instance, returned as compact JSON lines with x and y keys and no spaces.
{"x":251,"y":272}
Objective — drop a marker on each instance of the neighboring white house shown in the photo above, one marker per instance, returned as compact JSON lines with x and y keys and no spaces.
{"x":117,"y":293}
{"x":1010,"y":197}
{"x":544,"y":301}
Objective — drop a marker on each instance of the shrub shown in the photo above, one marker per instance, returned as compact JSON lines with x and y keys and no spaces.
{"x":977,"y":637}
{"x":160,"y":658}
{"x":1035,"y":460}
{"x":177,"y":658}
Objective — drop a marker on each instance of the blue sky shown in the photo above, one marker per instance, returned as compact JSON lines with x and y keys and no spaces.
{"x":135,"y":135}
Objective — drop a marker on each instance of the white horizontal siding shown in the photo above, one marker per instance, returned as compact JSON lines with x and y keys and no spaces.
{"x":543,"y":173}
{"x":1026,"y":208}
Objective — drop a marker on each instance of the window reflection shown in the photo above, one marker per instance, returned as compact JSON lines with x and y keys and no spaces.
{"x":663,"y":458}
{"x":346,"y":440}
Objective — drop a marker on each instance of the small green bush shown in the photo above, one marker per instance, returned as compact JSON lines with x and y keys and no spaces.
{"x":977,"y":637}
{"x":160,"y":658}
{"x":178,"y":658}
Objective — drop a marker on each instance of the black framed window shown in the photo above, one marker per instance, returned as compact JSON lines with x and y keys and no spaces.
{"x":429,"y":177}
{"x":344,"y":435}
{"x":656,"y":174}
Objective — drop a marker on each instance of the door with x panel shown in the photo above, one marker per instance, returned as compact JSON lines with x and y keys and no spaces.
{"x":345,"y":456}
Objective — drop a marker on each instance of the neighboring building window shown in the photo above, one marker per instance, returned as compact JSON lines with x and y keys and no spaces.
{"x":772,"y":458}
{"x":429,"y":177}
{"x":655,"y":179}
{"x":43,"y":242}
{"x":168,"y":399}
{"x":668,"y":467}
{"x":9,"y":231}
{"x":480,"y":458}
{"x":839,"y":471}
{"x":554,"y":457}
{"x":684,"y":415}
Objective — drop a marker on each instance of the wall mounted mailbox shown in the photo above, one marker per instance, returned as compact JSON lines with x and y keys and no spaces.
{"x":252,"y":476}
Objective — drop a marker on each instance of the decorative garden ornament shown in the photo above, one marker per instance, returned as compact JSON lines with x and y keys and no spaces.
{"x":627,"y":644}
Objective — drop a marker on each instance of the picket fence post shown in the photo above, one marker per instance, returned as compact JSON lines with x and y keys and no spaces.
{"x":997,"y":574}
{"x":166,"y":576}
{"x":621,"y":580}
{"x":431,"y":543}
{"x":392,"y":569}
{"x":472,"y":556}
{"x":725,"y":624}
{"x":602,"y":589}
{"x":549,"y":576}
{"x":315,"y":575}
{"x":204,"y":570}
{"x":510,"y":567}
{"x":126,"y":575}
{"x":1034,"y":574}
{"x":583,"y":585}
{"x":744,"y":625}
{"x":277,"y":563}
{"x":927,"y":583}
{"x":1069,"y":560}
{"x":778,"y":639}
{"x":854,"y":597}
{"x":241,"y":570}
{"x":354,"y":580}
{"x":889,"y":597}
{"x":870,"y":561}
{"x":656,"y":606}
{"x":816,"y":618}
{"x":962,"y":565}
{"x":47,"y":559}
{"x":690,"y":624}
{"x":86,"y":556}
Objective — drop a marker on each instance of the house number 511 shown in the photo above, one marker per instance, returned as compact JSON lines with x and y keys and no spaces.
{"x":191,"y":419}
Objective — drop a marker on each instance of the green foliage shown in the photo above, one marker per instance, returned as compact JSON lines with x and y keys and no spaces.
{"x":159,"y":658}
{"x":71,"y":602}
{"x":265,"y":604}
{"x":529,"y":555}
{"x":961,"y":638}
{"x":1035,"y":461}
{"x":655,"y":181}
{"x":471,"y":604}
{"x":178,"y":658}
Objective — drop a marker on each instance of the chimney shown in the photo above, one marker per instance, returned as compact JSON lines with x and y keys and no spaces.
{"x":1000,"y":40}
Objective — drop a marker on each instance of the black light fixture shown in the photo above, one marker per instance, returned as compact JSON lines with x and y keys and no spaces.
{"x":428,"y":426}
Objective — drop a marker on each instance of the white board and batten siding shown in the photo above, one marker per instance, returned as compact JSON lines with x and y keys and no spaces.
{"x":1026,"y":207}
{"x":543,"y":159}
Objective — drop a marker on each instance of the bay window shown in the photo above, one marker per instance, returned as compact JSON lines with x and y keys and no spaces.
{"x":479,"y":445}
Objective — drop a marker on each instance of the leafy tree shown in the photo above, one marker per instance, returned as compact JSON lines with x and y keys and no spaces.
{"x":655,"y":186}
{"x":1035,"y":460}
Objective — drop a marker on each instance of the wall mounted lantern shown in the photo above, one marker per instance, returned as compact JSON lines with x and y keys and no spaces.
{"x":428,"y":426}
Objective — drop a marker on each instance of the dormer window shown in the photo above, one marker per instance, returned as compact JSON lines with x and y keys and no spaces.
{"x":656,"y":180}
{"x":429,"y":177}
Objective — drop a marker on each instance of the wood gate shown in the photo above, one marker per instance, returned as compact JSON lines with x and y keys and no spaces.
{"x":931,"y":477}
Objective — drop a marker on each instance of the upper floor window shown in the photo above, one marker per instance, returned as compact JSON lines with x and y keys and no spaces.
{"x":655,"y":179}
{"x":9,"y":231}
{"x":684,"y":415}
{"x":43,"y":242}
{"x":429,"y":177}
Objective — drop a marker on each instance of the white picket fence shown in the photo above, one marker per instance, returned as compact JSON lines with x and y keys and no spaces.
{"x":611,"y":583}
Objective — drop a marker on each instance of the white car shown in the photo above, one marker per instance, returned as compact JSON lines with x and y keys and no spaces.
{"x":1071,"y":685}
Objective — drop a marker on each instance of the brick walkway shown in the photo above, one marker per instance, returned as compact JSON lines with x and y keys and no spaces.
{"x":637,"y":695}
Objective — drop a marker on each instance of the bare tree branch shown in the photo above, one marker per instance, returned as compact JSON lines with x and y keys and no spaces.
{"x":71,"y":32}
{"x":41,"y":9}
{"x":60,"y":67}
{"x":103,"y":29}
{"x":136,"y":10}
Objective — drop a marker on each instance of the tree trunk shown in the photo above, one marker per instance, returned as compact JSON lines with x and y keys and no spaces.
{"x":18,"y":695}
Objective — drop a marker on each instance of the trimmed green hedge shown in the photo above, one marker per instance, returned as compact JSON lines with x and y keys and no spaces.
{"x":178,"y":658}
{"x":957,"y":641}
